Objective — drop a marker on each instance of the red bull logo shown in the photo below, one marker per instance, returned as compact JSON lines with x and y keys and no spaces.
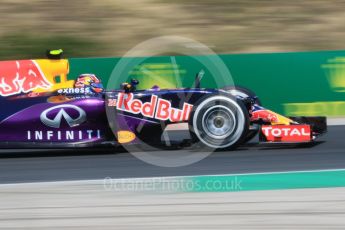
{"x":21,"y":77}
{"x":264,"y":115}
{"x":270,"y":117}
{"x":156,"y":108}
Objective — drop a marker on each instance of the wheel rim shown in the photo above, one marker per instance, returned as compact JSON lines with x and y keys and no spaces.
{"x":219,"y":122}
{"x":232,"y":136}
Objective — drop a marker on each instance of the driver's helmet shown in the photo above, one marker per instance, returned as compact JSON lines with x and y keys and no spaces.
{"x":89,"y":81}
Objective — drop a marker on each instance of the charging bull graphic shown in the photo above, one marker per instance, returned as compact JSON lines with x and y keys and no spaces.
{"x":24,"y":76}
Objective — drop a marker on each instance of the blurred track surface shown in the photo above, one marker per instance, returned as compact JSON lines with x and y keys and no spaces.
{"x":42,"y":166}
{"x":80,"y":205}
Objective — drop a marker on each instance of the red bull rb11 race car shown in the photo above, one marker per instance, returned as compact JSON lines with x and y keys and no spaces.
{"x":38,"y":112}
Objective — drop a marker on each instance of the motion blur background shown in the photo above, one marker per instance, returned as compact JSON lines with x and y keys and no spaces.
{"x":111,"y":27}
{"x":296,"y":84}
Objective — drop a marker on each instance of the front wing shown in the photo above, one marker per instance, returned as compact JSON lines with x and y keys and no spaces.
{"x":306,"y":129}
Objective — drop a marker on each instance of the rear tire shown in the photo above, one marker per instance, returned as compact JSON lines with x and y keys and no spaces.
{"x":219,"y":121}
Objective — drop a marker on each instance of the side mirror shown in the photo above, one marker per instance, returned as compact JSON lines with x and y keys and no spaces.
{"x":130,"y":87}
{"x":198,"y":78}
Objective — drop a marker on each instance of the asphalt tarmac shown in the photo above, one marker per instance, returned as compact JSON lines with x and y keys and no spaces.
{"x":80,"y":205}
{"x":18,"y":166}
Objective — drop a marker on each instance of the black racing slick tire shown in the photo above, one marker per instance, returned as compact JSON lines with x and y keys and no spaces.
{"x":241,"y":91}
{"x":244,"y":92}
{"x":219,"y":122}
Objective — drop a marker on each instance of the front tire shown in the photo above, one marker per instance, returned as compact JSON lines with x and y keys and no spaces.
{"x":244,"y":92}
{"x":219,"y":122}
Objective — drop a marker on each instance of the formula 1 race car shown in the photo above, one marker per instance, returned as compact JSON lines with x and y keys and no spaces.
{"x":39,"y":112}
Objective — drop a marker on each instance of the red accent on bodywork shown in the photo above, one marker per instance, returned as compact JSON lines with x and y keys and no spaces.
{"x":287,"y":133}
{"x":21,"y":77}
{"x":264,"y":115}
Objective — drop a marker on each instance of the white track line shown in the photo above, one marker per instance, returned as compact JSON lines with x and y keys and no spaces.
{"x":137,"y":179}
{"x":336,"y":121}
